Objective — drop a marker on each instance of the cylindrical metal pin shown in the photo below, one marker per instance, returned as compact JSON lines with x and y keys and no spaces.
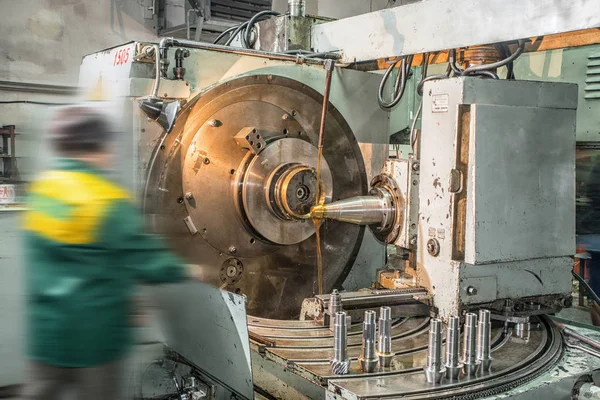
{"x":368,"y":358}
{"x":340,"y":363}
{"x":469,"y":358}
{"x":335,"y":306}
{"x":434,"y":371}
{"x":384,"y":339}
{"x":453,"y":365}
{"x":484,"y":334}
{"x":297,"y":8}
{"x":523,"y":330}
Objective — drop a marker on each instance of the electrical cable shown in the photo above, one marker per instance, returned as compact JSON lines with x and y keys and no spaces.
{"x":237,"y":31}
{"x":247,"y":38}
{"x":488,"y":74}
{"x":501,"y":63}
{"x":586,"y":287}
{"x":399,"y":86}
{"x":224,"y":33}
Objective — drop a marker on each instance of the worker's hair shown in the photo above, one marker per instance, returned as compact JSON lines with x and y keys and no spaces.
{"x":79,"y":130}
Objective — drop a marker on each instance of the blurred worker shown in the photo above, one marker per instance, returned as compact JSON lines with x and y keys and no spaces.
{"x":85,"y":248}
{"x":589,"y":236}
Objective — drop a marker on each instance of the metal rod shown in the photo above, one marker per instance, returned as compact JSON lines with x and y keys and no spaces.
{"x":453,"y":366}
{"x":590,"y":342}
{"x":340,"y":363}
{"x":297,"y":8}
{"x":368,"y":359}
{"x":469,"y":358}
{"x":329,"y":66}
{"x":434,"y":371}
{"x":484,"y":333}
{"x":335,"y":306}
{"x":166,"y":43}
{"x":384,"y":339}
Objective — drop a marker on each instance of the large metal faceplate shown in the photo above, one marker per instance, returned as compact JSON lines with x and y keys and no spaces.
{"x":200,"y":175}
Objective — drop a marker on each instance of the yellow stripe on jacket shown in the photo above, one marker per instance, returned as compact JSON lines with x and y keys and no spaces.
{"x":87,"y":196}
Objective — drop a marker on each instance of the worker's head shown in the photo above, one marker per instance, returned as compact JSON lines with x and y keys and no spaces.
{"x":83,"y":133}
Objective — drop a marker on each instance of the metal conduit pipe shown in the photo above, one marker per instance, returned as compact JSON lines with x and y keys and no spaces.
{"x":162,"y":50}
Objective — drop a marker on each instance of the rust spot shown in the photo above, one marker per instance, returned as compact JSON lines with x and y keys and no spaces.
{"x":428,"y":202}
{"x":447,"y":216}
{"x":437,"y":183}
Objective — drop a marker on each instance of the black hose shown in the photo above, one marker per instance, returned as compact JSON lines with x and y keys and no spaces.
{"x":501,"y":63}
{"x":488,"y":74}
{"x":452,"y":63}
{"x":237,"y":31}
{"x":224,"y":33}
{"x":399,"y":86}
{"x":247,"y":38}
{"x":587,"y":287}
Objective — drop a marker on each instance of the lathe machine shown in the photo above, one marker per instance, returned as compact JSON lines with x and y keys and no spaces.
{"x":439,"y":265}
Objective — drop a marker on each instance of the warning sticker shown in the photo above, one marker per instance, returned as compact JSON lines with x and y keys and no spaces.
{"x":440,"y":103}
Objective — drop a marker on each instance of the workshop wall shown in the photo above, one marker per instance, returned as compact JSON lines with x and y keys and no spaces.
{"x":43,"y":42}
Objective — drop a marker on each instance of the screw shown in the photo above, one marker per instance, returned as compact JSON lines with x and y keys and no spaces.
{"x":232,"y":250}
{"x":433,"y":247}
{"x":213,"y":123}
{"x":189,"y":196}
{"x":413,"y":240}
{"x":415,"y":166}
{"x":285,"y":117}
{"x":471,"y":291}
{"x":206,"y":161}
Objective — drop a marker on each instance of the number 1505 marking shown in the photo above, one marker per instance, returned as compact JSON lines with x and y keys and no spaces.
{"x":121,"y":57}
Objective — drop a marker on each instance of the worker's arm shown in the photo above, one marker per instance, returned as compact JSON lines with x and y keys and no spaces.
{"x":143,"y":255}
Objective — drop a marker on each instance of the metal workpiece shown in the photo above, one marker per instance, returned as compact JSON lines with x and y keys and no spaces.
{"x":368,"y":358}
{"x":377,"y":209}
{"x":453,"y":365}
{"x":522,"y":330}
{"x":384,"y":337}
{"x":340,"y":363}
{"x":435,"y":370}
{"x":297,"y":8}
{"x":484,"y":336}
{"x":335,"y":306}
{"x":469,"y":358}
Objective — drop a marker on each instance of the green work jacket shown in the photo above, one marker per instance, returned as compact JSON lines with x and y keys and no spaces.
{"x":85,"y":249}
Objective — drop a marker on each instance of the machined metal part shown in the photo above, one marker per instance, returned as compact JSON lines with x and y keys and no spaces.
{"x":522,"y":330}
{"x":453,"y":365}
{"x":303,"y":348}
{"x":384,"y":337}
{"x":368,"y":37}
{"x":484,"y":333}
{"x":401,"y":177}
{"x":435,"y":370}
{"x":248,"y":138}
{"x":276,"y":247}
{"x":376,"y":209}
{"x":297,"y":8}
{"x":340,"y":363}
{"x":469,"y":358}
{"x":368,"y":359}
{"x":335,"y":306}
{"x":407,"y":302}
